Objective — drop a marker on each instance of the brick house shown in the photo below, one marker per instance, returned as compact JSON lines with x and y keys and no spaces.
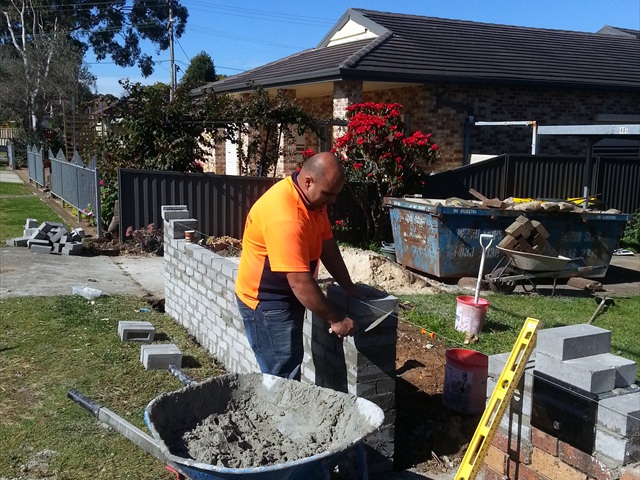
{"x":449,"y":74}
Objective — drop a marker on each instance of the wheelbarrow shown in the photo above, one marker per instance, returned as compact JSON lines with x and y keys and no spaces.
{"x":523,"y":268}
{"x":294,"y":406}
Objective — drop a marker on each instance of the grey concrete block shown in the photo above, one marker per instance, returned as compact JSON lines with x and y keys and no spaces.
{"x":56,"y":248}
{"x":39,"y":235}
{"x":35,"y":241}
{"x":61,"y":232}
{"x":573,"y":341}
{"x":160,"y":356}
{"x":178,"y":227}
{"x":619,"y":448}
{"x":44,"y":227}
{"x":31,"y":223}
{"x":41,"y":249}
{"x":175,"y":214}
{"x":621,"y":414}
{"x":28,"y":232}
{"x":588,"y":373}
{"x":78,"y":232}
{"x":170,"y":208}
{"x":18,"y":241}
{"x":72,"y":248}
{"x":136,"y":331}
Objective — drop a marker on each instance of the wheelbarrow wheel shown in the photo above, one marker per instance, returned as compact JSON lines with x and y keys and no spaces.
{"x":498,"y":285}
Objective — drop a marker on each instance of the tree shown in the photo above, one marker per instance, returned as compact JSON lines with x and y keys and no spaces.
{"x":268,"y":122}
{"x":380,"y":160}
{"x":199,"y":72}
{"x":41,"y":31}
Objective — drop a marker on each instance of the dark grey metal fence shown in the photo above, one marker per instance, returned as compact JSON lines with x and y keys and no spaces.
{"x":616,"y":180}
{"x":220,"y":203}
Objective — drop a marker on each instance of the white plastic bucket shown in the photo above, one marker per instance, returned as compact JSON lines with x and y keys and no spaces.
{"x":465,"y":380}
{"x":470,"y":316}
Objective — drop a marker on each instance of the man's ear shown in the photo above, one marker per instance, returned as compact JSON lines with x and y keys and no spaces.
{"x":308,"y":180}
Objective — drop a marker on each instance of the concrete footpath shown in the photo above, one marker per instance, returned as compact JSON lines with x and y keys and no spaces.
{"x":24,"y":273}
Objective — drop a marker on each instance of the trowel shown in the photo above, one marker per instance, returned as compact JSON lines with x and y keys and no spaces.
{"x":375,"y":323}
{"x":378,"y":321}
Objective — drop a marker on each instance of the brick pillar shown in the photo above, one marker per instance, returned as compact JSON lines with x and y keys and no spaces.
{"x":363,"y":365}
{"x":345,"y":94}
{"x":287,"y":161}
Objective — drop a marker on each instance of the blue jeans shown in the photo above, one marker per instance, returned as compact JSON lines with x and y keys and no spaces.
{"x":276,"y":337}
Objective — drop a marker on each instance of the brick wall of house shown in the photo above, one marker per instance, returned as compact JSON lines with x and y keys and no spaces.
{"x":444,"y":111}
{"x":200,"y":296}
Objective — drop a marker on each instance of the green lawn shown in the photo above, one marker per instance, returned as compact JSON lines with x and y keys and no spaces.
{"x":507,"y":314}
{"x":15,"y":209}
{"x":49,"y":345}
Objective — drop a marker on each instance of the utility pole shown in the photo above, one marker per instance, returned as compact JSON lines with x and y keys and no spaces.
{"x":172,"y":67}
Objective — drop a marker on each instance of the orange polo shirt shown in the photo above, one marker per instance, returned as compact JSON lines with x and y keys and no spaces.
{"x":282,"y":234}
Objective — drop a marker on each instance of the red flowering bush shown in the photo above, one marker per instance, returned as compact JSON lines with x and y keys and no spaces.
{"x":380,"y":160}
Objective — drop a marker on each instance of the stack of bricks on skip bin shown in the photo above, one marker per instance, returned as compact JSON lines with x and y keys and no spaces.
{"x":49,"y":237}
{"x":528,"y":236}
{"x":154,"y":356}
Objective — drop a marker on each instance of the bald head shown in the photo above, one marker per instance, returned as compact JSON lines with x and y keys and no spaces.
{"x":323,"y":165}
{"x":321,"y":179}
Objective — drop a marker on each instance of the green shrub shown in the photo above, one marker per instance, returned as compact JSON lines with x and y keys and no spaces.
{"x":631,"y":235}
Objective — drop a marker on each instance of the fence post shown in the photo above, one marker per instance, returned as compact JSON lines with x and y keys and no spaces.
{"x":98,"y":213}
{"x":11,"y":155}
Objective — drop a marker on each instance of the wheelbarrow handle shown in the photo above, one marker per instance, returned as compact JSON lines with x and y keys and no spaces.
{"x":126,"y":429}
{"x":180,"y":375}
{"x":84,"y":402}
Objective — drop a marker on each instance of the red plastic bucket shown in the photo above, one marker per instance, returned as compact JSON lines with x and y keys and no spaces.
{"x":470,"y":316}
{"x":465,"y":380}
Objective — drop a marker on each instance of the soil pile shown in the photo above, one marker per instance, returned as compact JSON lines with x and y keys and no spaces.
{"x":369,"y":268}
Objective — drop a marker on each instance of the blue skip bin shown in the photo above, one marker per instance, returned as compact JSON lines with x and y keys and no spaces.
{"x":443,"y":241}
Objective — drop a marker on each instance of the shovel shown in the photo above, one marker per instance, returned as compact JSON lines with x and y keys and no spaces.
{"x":602,"y":302}
{"x":485,"y":247}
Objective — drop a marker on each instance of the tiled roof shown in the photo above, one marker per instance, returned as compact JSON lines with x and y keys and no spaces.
{"x":421,"y":49}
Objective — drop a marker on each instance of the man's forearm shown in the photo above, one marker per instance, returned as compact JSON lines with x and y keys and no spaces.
{"x":332,"y":260}
{"x":307,"y":291}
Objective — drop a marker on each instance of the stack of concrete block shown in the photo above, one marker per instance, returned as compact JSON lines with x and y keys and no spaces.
{"x":528,"y":236}
{"x":153,"y":356}
{"x":49,"y":237}
{"x":580,"y":356}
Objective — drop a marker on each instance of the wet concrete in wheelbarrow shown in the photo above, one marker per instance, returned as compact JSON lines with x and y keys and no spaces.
{"x":255,"y":420}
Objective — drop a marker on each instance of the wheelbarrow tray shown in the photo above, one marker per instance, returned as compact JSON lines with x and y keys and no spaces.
{"x":170,"y":415}
{"x":533,"y":262}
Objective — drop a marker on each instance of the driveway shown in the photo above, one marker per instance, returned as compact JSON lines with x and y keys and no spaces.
{"x":23,"y":273}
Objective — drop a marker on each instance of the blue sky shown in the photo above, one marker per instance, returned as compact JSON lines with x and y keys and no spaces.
{"x":243,"y":34}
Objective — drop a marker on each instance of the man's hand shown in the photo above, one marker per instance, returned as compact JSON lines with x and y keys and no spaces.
{"x":344,"y":328}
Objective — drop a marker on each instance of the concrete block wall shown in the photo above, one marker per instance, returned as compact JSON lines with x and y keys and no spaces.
{"x":200,"y":295}
{"x":578,"y":355}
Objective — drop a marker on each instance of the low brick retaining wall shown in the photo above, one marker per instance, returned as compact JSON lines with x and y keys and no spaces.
{"x":199,"y":295}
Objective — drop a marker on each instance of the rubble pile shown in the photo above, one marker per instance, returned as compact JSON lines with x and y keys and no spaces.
{"x":49,"y":237}
{"x":528,"y":236}
{"x":570,"y":205}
